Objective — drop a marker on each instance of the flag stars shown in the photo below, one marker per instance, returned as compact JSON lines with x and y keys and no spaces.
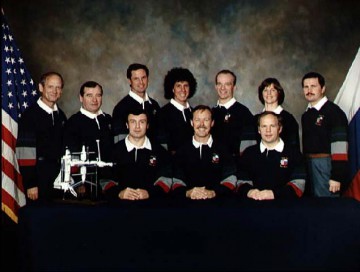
{"x":6,"y":48}
{"x":10,"y":94}
{"x":21,"y":60}
{"x":9,"y":83}
{"x":23,"y":82}
{"x":8,"y":71}
{"x":24,"y":93}
{"x":22,"y":71}
{"x":10,"y":106}
{"x":25,"y":105}
{"x":7,"y":60}
{"x":33,"y":93}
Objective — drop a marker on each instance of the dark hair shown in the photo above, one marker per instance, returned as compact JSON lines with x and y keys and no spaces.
{"x":178,"y":74}
{"x":90,"y":84}
{"x":267,"y":82}
{"x":264,"y":113}
{"x":44,"y":77}
{"x":134,"y":67}
{"x":136,"y":111}
{"x":225,"y":71}
{"x":202,"y":108}
{"x":320,"y":78}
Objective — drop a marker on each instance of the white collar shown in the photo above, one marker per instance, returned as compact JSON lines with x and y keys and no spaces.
{"x":278,"y":109}
{"x":279,"y":147}
{"x":319,"y":104}
{"x":46,"y":107}
{"x":90,"y":114}
{"x":138,"y":98}
{"x":130,"y":146}
{"x":178,"y":105}
{"x":198,"y":144}
{"x":228,"y":104}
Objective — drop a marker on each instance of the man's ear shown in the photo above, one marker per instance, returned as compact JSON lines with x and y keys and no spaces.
{"x":323,"y":89}
{"x":41,"y":88}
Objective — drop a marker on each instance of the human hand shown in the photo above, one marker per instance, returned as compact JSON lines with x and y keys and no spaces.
{"x":143,"y":194}
{"x":33,"y":193}
{"x":198,"y":193}
{"x":334,"y":186}
{"x":129,"y":194}
{"x":261,"y":195}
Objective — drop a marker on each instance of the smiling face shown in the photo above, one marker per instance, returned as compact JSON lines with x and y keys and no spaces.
{"x":225,"y":87}
{"x":181,"y":92}
{"x":202,"y":123}
{"x":92,"y":99}
{"x":51,"y":90}
{"x":139,"y":82}
{"x":270,"y":95}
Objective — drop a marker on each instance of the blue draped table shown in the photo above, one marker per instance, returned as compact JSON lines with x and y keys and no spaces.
{"x":177,"y":235}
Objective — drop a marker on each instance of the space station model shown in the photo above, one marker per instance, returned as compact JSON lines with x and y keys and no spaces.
{"x":65,"y":180}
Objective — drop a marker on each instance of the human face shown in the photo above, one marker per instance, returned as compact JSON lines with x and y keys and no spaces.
{"x":181,"y":92}
{"x":269,"y":130}
{"x":92,"y":99}
{"x":225,"y":87}
{"x":137,"y":125}
{"x":51,"y":91}
{"x":139,"y":82}
{"x":312,"y":90}
{"x":202,"y":124}
{"x":270,"y":94}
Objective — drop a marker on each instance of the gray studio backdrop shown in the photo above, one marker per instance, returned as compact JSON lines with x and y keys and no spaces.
{"x":98,"y":39}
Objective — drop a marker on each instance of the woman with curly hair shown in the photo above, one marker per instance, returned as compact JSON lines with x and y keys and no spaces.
{"x":174,"y":118}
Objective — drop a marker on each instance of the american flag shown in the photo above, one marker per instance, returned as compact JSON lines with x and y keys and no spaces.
{"x":17,"y":93}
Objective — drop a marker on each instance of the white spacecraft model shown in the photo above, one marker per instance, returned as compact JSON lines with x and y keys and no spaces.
{"x":65,"y":181}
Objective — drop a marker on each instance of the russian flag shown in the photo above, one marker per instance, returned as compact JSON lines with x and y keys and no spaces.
{"x":348,"y":100}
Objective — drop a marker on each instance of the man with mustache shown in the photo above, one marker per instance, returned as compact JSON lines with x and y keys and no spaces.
{"x":203,"y":167}
{"x":324,"y":137}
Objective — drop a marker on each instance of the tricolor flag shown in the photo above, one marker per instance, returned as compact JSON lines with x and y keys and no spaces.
{"x":348,"y":99}
{"x":17,"y":93}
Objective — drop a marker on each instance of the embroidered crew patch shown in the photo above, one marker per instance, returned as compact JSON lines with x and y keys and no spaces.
{"x":284,"y":162}
{"x":319,"y":120}
{"x":227,"y":118}
{"x":215,"y":158}
{"x":152,"y":161}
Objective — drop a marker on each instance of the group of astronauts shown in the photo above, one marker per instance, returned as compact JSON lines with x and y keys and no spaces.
{"x":178,"y":150}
